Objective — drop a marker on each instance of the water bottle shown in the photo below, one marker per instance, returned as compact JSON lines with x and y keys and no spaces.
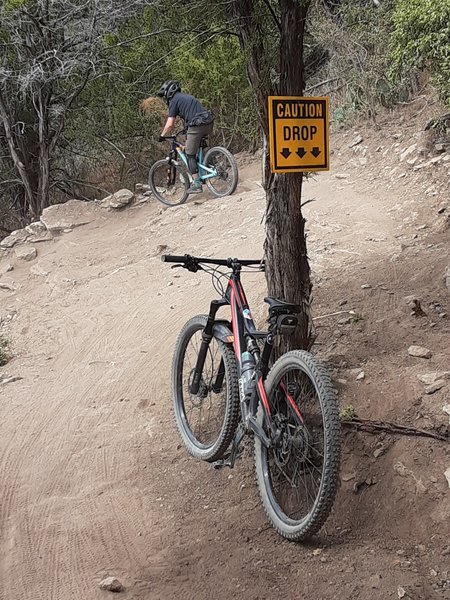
{"x":247,"y":366}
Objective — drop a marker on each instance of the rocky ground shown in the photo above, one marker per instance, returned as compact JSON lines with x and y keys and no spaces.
{"x":95,"y":483}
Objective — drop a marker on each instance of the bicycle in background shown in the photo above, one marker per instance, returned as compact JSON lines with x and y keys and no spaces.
{"x":223,"y":388}
{"x":169,"y":178}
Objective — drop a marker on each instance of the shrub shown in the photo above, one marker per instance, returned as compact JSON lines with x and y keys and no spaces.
{"x":421,"y":41}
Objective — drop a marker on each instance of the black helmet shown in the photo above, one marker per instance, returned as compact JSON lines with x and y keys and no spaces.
{"x":168,"y":90}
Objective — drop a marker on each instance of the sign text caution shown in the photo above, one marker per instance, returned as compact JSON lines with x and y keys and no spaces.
{"x":298,"y":134}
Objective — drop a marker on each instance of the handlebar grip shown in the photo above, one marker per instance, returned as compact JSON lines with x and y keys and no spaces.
{"x":173,"y":258}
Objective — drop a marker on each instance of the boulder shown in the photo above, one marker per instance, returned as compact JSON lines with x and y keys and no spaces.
{"x":16,"y":237}
{"x":68,"y":215}
{"x":37,"y":228}
{"x":26,"y":252}
{"x":419,"y":352}
{"x":111,"y":584}
{"x":119,"y":199}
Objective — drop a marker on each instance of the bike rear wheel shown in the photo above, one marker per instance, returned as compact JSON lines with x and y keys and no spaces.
{"x":169,"y":183}
{"x":207,"y":420}
{"x":298,"y":475}
{"x":226,"y":180}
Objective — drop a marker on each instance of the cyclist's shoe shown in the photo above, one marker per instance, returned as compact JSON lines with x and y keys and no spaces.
{"x":195,"y":187}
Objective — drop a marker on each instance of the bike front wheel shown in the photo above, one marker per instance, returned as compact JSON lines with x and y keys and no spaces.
{"x":168,"y":183}
{"x":226,"y":179}
{"x":207,"y":420}
{"x":298,"y":474}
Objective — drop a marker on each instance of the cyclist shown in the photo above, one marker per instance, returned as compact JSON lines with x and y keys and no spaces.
{"x":197,"y":120}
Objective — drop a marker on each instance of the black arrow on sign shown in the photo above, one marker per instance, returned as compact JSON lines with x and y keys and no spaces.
{"x":316,"y":151}
{"x":301,"y":152}
{"x":285,"y":152}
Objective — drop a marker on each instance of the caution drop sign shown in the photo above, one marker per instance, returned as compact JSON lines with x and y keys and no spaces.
{"x":298,"y":134}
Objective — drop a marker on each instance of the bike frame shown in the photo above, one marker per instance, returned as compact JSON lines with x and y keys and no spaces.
{"x":243,"y":338}
{"x":178,"y":150}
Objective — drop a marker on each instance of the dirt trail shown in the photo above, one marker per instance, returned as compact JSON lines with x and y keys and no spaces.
{"x":94,"y":480}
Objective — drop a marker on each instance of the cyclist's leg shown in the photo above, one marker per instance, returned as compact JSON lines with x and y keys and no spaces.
{"x":193,"y":138}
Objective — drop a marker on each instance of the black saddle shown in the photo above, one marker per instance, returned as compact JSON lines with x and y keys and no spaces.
{"x":280,"y":307}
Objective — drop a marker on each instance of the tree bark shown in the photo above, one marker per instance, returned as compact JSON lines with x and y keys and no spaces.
{"x":287,"y":267}
{"x":18,"y":163}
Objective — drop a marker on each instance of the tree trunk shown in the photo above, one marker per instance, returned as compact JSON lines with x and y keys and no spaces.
{"x":44,"y":152}
{"x":287,"y":270}
{"x":18,"y":162}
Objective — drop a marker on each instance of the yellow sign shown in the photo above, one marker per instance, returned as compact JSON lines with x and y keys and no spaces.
{"x":298,"y":134}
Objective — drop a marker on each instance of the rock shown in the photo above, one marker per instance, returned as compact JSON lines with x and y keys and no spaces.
{"x":341,"y":176}
{"x":435,"y":387}
{"x":4,"y":285}
{"x":366,"y":286}
{"x":68,"y":215}
{"x":446,"y":409}
{"x":16,"y":237}
{"x":356,"y":140}
{"x":407,"y":152}
{"x":446,"y":277}
{"x":317,"y":551}
{"x":378,"y":452}
{"x":419,"y":352}
{"x":37,"y":228}
{"x":160,"y":248}
{"x":374,"y":581}
{"x":38,"y":271}
{"x":142,"y":187}
{"x":401,"y":592}
{"x":415,"y":306}
{"x":119,"y":199}
{"x":26,"y":252}
{"x":430,"y":378}
{"x":4,"y":379}
{"x":111,"y":584}
{"x":360,"y":376}
{"x":447,"y":476}
{"x":6,"y":268}
{"x":401,"y":470}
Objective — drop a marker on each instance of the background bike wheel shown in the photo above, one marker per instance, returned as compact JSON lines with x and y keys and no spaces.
{"x":298,"y":477}
{"x":206,"y":421}
{"x":226,"y":180}
{"x":168,"y":183}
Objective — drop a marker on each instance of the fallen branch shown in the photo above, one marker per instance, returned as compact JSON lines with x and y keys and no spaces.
{"x":375,"y":426}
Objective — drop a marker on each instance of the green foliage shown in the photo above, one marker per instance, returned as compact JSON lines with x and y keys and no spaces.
{"x":215,"y":73}
{"x":4,"y":347}
{"x":356,"y":318}
{"x":347,"y":413}
{"x":421,"y":41}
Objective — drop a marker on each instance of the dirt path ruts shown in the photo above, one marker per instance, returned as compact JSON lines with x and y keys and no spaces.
{"x":94,"y":481}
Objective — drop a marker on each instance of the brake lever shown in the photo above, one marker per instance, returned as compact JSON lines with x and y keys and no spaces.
{"x":178,"y":266}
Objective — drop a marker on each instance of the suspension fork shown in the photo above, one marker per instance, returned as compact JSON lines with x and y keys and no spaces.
{"x":207,"y":335}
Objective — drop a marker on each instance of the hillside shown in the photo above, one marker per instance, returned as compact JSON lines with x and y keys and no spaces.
{"x":95,"y":481}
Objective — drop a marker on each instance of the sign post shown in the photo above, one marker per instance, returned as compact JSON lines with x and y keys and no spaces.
{"x":298,"y":134}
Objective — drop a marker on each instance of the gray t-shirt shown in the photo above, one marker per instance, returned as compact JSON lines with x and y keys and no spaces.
{"x":187,"y":107}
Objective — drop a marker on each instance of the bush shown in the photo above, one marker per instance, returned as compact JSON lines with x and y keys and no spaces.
{"x":421,"y":41}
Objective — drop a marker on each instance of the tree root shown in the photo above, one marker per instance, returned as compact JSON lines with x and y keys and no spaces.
{"x":371,"y":426}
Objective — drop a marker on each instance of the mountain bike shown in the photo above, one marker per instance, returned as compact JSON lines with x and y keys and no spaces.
{"x":169,"y":178}
{"x":223,"y":388}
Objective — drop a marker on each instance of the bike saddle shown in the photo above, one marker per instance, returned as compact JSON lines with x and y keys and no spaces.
{"x":279,"y":306}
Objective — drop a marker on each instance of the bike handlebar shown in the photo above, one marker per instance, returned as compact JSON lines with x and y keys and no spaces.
{"x":193,"y":262}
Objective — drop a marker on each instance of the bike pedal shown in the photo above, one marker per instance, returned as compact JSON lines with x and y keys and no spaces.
{"x":221,"y":463}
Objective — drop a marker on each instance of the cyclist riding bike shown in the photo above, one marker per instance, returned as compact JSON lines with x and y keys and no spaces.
{"x":198,"y":121}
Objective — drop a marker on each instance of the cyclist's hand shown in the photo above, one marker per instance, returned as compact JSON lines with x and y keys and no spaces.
{"x":161,"y":138}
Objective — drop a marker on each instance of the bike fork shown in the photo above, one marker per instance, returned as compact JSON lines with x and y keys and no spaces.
{"x":207,"y":336}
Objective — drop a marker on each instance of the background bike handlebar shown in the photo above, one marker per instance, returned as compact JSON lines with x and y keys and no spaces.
{"x":225,"y":262}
